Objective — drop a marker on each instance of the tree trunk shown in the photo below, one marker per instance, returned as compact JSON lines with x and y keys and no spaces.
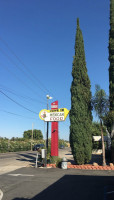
{"x":103,"y":146}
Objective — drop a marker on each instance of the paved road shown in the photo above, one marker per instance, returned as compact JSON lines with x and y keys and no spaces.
{"x":57,"y":184}
{"x":27,"y":182}
{"x":15,"y":160}
{"x":62,"y":152}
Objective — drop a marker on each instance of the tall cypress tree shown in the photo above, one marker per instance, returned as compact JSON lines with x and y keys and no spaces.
{"x":110,"y":117}
{"x":111,"y":56}
{"x":80,"y":114}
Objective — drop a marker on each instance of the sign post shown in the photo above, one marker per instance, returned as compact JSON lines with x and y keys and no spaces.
{"x":54,"y":132}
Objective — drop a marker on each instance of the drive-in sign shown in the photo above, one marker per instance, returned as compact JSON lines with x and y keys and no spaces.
{"x":53,"y":115}
{"x":56,"y":115}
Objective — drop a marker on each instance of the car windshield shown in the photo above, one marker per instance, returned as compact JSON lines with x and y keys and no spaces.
{"x":39,"y":145}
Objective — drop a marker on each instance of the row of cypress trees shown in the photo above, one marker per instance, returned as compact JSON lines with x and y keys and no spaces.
{"x":81,"y":109}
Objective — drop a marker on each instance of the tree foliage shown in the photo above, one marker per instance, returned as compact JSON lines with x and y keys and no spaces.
{"x":80,"y":114}
{"x":100,"y":102}
{"x":17,"y":139}
{"x":37,"y":134}
{"x":111,"y":71}
{"x":96,"y":129}
{"x":101,"y":105}
{"x":111,"y":56}
{"x":108,"y":120}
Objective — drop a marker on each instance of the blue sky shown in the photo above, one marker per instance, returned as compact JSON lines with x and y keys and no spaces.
{"x":37,"y":39}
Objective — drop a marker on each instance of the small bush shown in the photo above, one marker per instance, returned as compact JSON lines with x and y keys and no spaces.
{"x":55,"y":160}
{"x":58,"y":162}
{"x":97,"y":145}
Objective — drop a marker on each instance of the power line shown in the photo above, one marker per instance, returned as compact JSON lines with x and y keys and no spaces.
{"x":18,"y":103}
{"x":17,"y":66}
{"x":25,"y":97}
{"x":28,"y":70}
{"x":16,"y":114}
{"x":23,"y":82}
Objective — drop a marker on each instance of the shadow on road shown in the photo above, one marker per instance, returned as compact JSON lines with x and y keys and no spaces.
{"x":79,"y":188}
{"x":30,"y":158}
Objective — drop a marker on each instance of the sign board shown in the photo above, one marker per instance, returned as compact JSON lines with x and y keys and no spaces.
{"x":43,"y":113}
{"x":54,"y":115}
{"x":98,"y":138}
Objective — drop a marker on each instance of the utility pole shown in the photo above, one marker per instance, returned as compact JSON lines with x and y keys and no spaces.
{"x":48,"y":97}
{"x":47,"y":125}
{"x":32,"y":137}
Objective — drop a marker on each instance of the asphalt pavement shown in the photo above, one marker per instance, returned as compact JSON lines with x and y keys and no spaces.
{"x":57,"y":184}
{"x":20,"y":179}
{"x":15,"y":160}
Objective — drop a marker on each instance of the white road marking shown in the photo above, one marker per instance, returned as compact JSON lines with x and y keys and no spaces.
{"x":20,"y":175}
{"x":1,"y":194}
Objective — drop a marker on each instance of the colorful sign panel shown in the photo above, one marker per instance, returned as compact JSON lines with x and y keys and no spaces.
{"x":54,"y":115}
{"x":43,"y":113}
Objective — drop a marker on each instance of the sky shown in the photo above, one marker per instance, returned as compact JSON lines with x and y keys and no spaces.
{"x":37,"y":39}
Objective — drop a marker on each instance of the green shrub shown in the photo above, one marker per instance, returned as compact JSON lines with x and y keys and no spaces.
{"x":96,"y":145}
{"x":54,"y":160}
{"x":14,"y":145}
{"x":58,"y":162}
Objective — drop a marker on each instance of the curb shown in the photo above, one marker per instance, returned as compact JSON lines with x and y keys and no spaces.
{"x":90,"y":167}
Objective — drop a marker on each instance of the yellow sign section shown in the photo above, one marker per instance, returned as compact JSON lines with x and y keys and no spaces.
{"x":54,"y":115}
{"x":43,"y":114}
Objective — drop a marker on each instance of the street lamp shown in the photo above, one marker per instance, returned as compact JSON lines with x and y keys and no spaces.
{"x":48,"y":97}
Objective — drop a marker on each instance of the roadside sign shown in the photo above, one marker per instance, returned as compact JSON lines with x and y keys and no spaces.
{"x":54,"y":115}
{"x":98,"y":138}
{"x":43,"y":113}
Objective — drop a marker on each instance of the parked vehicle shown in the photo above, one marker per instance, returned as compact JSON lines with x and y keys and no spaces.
{"x":61,"y":147}
{"x":37,"y":146}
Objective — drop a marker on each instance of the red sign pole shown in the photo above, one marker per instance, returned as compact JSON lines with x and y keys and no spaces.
{"x":54,"y":132}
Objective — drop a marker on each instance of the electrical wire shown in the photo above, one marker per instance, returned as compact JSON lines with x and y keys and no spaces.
{"x":24,"y":97}
{"x":17,"y":114}
{"x":31,"y":75}
{"x":23,"y":82}
{"x":18,"y":103}
{"x":28,"y":72}
{"x":17,"y":66}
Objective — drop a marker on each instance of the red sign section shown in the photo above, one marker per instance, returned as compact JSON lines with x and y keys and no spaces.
{"x":54,"y":132}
